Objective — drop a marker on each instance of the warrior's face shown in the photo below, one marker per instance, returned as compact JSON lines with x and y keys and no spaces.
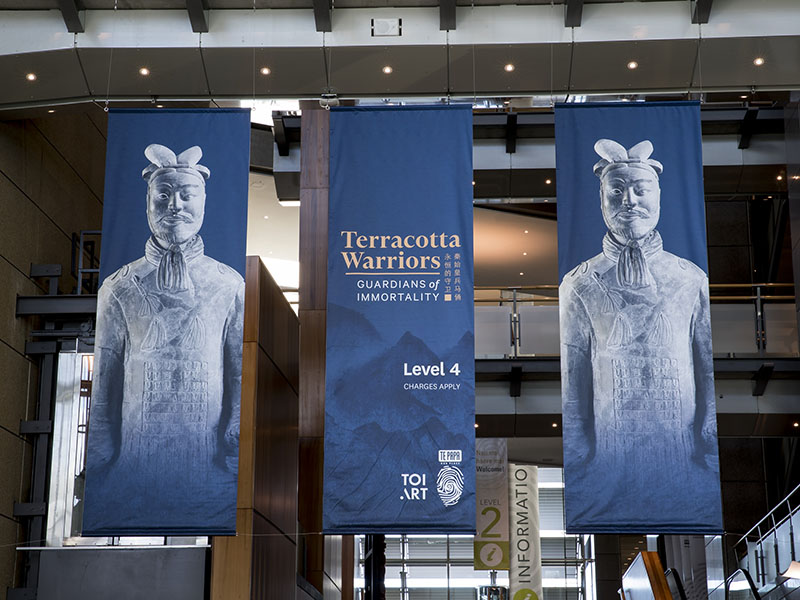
{"x":176,"y":204}
{"x":631,"y":202}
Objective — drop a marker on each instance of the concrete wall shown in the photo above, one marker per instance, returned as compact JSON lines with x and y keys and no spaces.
{"x":51,"y":185}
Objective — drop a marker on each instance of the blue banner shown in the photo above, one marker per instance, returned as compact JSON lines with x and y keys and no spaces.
{"x":400,"y":371}
{"x":163,"y":446}
{"x":640,"y":435}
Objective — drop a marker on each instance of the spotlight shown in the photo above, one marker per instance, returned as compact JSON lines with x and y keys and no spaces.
{"x":779,"y":178}
{"x":548,"y":181}
{"x":387,"y":70}
{"x":633,"y":65}
{"x":144,"y":71}
{"x":51,"y":111}
{"x":509,"y":67}
{"x":265,"y":70}
{"x":31,"y":76}
{"x":758,"y":61}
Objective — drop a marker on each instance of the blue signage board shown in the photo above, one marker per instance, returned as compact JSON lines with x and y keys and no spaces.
{"x":640,"y":435}
{"x":400,"y":390}
{"x":163,"y":447}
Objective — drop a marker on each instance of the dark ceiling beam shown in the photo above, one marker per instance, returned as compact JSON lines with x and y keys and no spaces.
{"x":747,"y":128}
{"x":701,"y":11}
{"x":197,"y":15}
{"x":279,"y":132}
{"x":71,"y":13}
{"x":573,"y":13}
{"x":322,"y":15}
{"x":447,"y":15}
{"x":511,"y":133}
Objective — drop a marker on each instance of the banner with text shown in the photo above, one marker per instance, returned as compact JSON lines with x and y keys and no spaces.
{"x":525,"y":573}
{"x":400,"y":366}
{"x":163,"y":448}
{"x":491,"y":505}
{"x":637,"y":374}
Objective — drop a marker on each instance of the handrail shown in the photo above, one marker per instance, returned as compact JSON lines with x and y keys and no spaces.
{"x":749,"y":579}
{"x":769,"y":515}
{"x":677,"y":577}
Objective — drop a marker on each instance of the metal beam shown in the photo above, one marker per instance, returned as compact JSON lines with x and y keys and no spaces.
{"x":511,"y":133}
{"x":197,"y":15}
{"x":573,"y":13}
{"x":279,"y":132}
{"x":747,"y":128}
{"x":322,"y":15}
{"x":701,"y":11}
{"x":447,"y":15}
{"x":71,"y":13}
{"x":56,"y":305}
{"x":761,"y":378}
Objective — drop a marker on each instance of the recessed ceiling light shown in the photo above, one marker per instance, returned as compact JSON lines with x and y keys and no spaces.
{"x":548,"y":181}
{"x":743,"y":96}
{"x":31,"y":76}
{"x":795,"y":424}
{"x":265,"y":70}
{"x":555,"y":425}
{"x":266,"y":216}
{"x":159,"y":106}
{"x":758,"y":61}
{"x":796,"y":177}
{"x":524,"y":254}
{"x":476,"y":425}
{"x":521,"y":273}
{"x":473,"y":182}
{"x":779,"y":178}
{"x":509,"y":67}
{"x":387,"y":70}
{"x":144,"y":71}
{"x":633,"y":65}
{"x":51,"y":111}
{"x":526,"y":231}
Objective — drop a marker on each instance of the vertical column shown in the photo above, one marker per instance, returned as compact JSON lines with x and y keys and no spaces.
{"x":313,"y":283}
{"x":792,"y":135}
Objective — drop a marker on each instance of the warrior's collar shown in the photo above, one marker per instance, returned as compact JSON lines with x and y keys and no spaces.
{"x":172,"y":275}
{"x":631,"y":258}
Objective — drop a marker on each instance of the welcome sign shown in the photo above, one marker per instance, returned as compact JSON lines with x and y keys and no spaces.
{"x":399,"y":403}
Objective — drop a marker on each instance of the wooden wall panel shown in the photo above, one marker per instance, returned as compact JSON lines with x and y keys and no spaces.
{"x":313,"y":249}
{"x":260,"y":561}
{"x":275,"y":491}
{"x":273,"y":563}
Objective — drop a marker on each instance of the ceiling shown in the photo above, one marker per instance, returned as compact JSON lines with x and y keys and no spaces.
{"x":550,"y":60}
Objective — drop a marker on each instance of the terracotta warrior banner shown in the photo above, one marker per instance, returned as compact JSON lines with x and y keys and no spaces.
{"x":640,"y":435}
{"x":400,"y":364}
{"x":163,"y":443}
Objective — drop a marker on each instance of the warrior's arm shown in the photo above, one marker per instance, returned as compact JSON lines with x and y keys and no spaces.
{"x":705,"y":425}
{"x":108,"y":380}
{"x":576,"y":376}
{"x":232,"y":377}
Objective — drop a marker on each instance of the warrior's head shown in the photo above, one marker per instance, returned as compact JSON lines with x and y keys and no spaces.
{"x":630,"y":196}
{"x":176,"y":193}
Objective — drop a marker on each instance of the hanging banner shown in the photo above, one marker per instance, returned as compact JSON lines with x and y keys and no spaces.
{"x":400,"y":367}
{"x":163,"y":444}
{"x":491,"y":505}
{"x":640,"y":435}
{"x":525,"y":572}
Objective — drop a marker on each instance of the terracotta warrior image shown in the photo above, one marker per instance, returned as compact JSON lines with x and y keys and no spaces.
{"x":165,"y":401}
{"x":637,"y":369}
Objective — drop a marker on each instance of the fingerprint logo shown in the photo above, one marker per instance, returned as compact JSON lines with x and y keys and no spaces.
{"x":450,"y":484}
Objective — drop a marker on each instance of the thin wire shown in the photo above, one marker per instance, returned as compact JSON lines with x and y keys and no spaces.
{"x":252,"y":41}
{"x":111,"y":55}
{"x":474,"y":85}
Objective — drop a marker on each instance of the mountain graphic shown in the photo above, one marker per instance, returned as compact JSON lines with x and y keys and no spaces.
{"x":376,"y":387}
{"x":353,"y":339}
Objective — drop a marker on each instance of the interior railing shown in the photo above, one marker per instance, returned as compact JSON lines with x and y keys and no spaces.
{"x":747,"y":320}
{"x":766,"y":551}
